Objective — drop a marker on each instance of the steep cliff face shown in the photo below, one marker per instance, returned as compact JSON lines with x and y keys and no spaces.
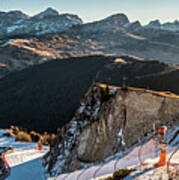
{"x":108,"y":121}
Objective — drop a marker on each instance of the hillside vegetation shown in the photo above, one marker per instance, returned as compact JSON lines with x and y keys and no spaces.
{"x":45,"y":97}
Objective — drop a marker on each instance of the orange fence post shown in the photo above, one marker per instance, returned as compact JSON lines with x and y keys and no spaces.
{"x":162,"y":161}
{"x":5,"y":160}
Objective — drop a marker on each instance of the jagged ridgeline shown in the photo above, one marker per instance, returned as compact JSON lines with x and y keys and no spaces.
{"x":27,"y":41}
{"x":45,"y":97}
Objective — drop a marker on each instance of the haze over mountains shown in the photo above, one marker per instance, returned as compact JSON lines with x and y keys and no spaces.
{"x":26,"y":40}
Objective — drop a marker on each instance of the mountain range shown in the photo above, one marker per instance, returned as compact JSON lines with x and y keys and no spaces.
{"x":16,"y":23}
{"x":26,"y":41}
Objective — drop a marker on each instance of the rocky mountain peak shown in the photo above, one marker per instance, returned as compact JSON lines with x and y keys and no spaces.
{"x":49,"y":12}
{"x":17,"y":14}
{"x":169,"y":26}
{"x":176,"y":22}
{"x":155,"y":23}
{"x":118,"y":19}
{"x":11,"y":17}
{"x":15,"y":23}
{"x":131,"y":26}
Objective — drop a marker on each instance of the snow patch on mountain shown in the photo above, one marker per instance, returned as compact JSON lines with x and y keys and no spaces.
{"x":12,"y":28}
{"x":9,"y":42}
{"x":49,"y":21}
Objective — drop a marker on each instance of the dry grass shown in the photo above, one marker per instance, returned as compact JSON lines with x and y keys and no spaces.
{"x":23,"y":137}
{"x":160,"y":93}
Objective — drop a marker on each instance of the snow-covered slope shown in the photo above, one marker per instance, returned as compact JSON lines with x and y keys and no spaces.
{"x":26,"y":164}
{"x":149,"y":154}
{"x":25,"y":161}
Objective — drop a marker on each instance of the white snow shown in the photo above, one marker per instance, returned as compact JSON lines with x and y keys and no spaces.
{"x":25,"y":161}
{"x":150,"y":154}
{"x":7,"y":43}
{"x":73,"y":127}
{"x":68,"y":24}
{"x":19,"y":21}
{"x":81,"y":109}
{"x":113,"y":90}
{"x":11,"y":41}
{"x":26,"y":164}
{"x":121,"y":137}
{"x":95,"y":113}
{"x":68,"y":17}
{"x":13,"y":28}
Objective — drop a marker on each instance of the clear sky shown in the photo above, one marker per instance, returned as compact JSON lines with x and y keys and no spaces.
{"x":90,"y":10}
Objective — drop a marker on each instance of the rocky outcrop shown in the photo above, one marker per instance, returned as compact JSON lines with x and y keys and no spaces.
{"x":50,"y":93}
{"x":169,"y":26}
{"x":107,"y":24}
{"x":134,"y":26}
{"x":16,"y":23}
{"x":109,"y":120}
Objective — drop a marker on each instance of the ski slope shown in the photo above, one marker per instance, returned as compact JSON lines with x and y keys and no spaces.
{"x":129,"y":161}
{"x":149,"y":154}
{"x":25,"y":161}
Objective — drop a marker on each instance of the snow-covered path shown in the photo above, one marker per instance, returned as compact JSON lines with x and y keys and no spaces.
{"x":25,"y":161}
{"x":148,"y":154}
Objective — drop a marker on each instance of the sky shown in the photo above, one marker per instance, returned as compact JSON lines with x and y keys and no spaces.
{"x":91,"y":10}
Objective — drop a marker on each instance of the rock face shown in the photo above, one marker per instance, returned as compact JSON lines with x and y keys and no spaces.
{"x":169,"y":26}
{"x":50,"y":93}
{"x":109,"y":120}
{"x":49,"y":12}
{"x":16,"y":23}
{"x":133,"y":26}
{"x":107,"y":24}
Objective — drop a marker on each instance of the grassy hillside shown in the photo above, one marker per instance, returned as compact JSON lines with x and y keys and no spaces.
{"x":151,"y":75}
{"x":45,"y":97}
